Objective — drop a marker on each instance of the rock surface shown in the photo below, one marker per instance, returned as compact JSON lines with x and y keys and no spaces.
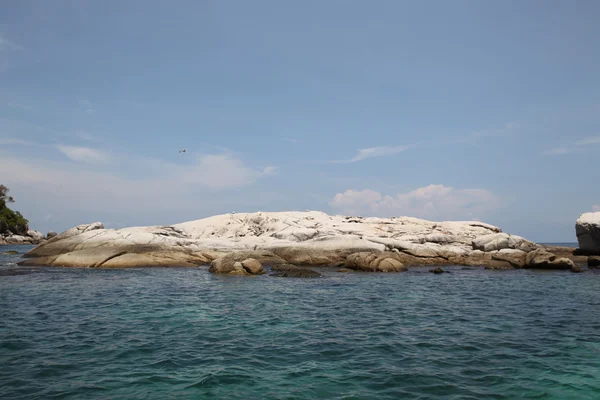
{"x":587,"y":229}
{"x":229,"y":242}
{"x":374,"y":262}
{"x":593,"y":261}
{"x":292,"y":271}
{"x":543,"y":259}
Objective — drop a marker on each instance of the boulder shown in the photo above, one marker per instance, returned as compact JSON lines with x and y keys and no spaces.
{"x":18,"y":239}
{"x":543,"y":259}
{"x":9,"y":253}
{"x":244,"y":262}
{"x":516,"y":258}
{"x":593,"y":261}
{"x":51,"y":234}
{"x":292,"y":271}
{"x":35,"y":235}
{"x":375,"y":262}
{"x":438,"y":270}
{"x":587,"y":229}
{"x":499,"y":241}
{"x":252,"y":266}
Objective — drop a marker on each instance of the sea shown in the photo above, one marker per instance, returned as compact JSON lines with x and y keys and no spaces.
{"x":166,"y":333}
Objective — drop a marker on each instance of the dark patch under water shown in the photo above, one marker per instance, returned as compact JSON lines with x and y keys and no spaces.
{"x":184,"y":333}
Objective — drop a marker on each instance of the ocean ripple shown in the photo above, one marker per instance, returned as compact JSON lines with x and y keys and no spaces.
{"x":184,"y":333}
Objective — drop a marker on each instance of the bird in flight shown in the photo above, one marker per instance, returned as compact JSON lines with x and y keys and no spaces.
{"x":182,"y":151}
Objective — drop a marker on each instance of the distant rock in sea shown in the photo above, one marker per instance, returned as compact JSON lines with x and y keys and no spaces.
{"x":587,"y":229}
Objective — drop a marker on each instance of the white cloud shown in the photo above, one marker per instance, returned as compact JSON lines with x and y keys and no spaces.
{"x":6,"y":44}
{"x":557,"y":151}
{"x":430,"y":202}
{"x":371,"y":152}
{"x":17,"y":142}
{"x":131,"y":188}
{"x":83,"y":154}
{"x":291,"y":140}
{"x":221,"y":171}
{"x":596,"y":208}
{"x":588,"y":141}
{"x":578,"y":146}
{"x":20,"y":106}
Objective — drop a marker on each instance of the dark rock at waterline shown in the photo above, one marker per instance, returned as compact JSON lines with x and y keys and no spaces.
{"x":9,"y":253}
{"x":576,"y":268}
{"x":438,"y":270}
{"x":593,"y":261}
{"x":291,"y":271}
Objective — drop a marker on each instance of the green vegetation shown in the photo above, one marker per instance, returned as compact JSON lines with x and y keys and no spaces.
{"x":9,"y":219}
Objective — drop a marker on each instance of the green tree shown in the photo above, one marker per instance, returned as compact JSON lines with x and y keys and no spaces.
{"x":9,"y":219}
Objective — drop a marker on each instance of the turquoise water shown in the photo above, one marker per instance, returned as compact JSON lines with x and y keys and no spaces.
{"x":184,"y":333}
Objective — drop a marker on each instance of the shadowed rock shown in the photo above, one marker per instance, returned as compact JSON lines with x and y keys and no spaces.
{"x":593,"y":261}
{"x":438,"y":270}
{"x":587,"y":229}
{"x":292,"y":271}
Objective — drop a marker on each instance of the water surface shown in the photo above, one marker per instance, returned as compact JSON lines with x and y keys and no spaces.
{"x":184,"y":333}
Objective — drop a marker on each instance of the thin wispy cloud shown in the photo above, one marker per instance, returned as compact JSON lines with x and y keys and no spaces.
{"x":578,"y":146}
{"x":6,"y":44}
{"x":291,"y":140}
{"x":588,"y":141}
{"x":87,"y":106}
{"x":84,"y":154}
{"x":17,"y":142}
{"x":372,"y":152}
{"x":20,"y":106}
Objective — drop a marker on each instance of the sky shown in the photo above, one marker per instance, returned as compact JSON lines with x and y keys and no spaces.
{"x":462,"y":110}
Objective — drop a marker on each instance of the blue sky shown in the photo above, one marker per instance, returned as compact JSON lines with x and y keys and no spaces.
{"x":440,"y":110}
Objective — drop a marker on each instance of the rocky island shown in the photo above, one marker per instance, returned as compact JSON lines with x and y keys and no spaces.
{"x":241,"y":244}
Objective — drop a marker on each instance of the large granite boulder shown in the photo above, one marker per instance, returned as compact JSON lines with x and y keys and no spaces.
{"x":587,"y":229}
{"x":374,"y":262}
{"x":499,"y":241}
{"x":543,"y":259}
{"x":51,"y":234}
{"x":244,"y":262}
{"x":37,"y":236}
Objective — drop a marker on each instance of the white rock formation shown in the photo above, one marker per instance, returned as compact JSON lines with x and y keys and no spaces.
{"x":587,"y":229}
{"x":309,"y":238}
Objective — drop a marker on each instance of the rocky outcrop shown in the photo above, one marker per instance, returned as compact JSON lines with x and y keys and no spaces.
{"x":587,"y":229}
{"x":292,"y":271}
{"x":51,"y":234}
{"x":374,"y":262}
{"x":244,"y":262}
{"x":543,"y":259}
{"x":230,"y":243}
{"x":24,"y":237}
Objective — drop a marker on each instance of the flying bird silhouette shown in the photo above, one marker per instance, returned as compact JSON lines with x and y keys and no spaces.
{"x":182,"y":151}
